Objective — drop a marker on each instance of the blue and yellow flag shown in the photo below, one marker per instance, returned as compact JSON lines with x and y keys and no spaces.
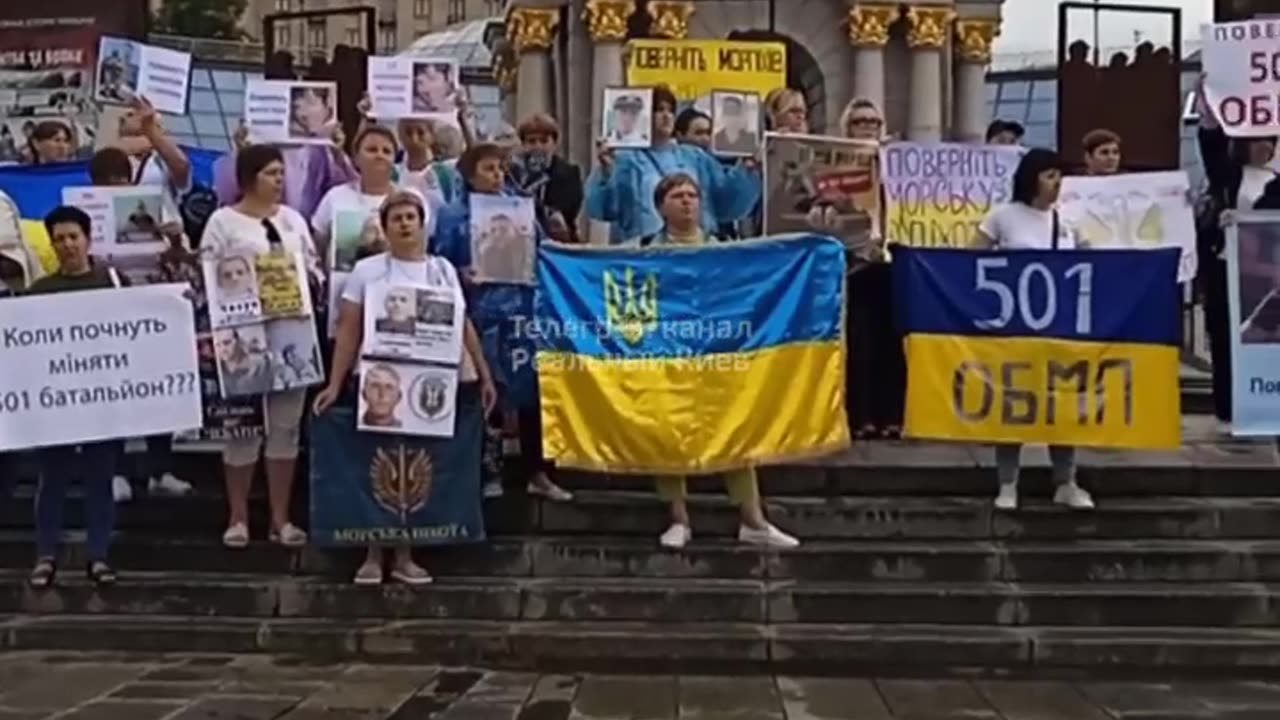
{"x":1065,"y":347}
{"x":691,"y":359}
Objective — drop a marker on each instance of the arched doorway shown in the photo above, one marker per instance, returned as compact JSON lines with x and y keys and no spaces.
{"x":803,"y":73}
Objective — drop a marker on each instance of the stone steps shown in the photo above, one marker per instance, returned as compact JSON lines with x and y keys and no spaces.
{"x":1083,"y":561}
{"x":624,"y":513}
{"x":658,"y":600}
{"x":708,"y":647}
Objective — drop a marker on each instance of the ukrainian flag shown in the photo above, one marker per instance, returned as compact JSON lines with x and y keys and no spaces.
{"x":37,"y":189}
{"x":691,"y":359}
{"x":1072,"y":347}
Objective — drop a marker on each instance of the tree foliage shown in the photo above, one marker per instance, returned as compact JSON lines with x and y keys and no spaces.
{"x":201,"y":18}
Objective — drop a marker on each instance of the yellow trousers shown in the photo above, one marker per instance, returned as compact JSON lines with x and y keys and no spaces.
{"x":740,"y":484}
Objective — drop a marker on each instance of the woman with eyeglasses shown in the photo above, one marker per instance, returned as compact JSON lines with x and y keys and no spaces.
{"x":258,"y":223}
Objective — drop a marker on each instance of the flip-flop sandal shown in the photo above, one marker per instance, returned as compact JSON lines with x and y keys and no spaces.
{"x":101,"y":573}
{"x":43,"y":573}
{"x":368,"y":575}
{"x":414,"y":575}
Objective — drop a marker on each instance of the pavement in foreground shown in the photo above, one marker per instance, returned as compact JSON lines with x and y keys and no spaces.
{"x":69,"y":686}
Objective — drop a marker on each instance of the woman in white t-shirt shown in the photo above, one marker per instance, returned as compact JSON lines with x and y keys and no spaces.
{"x":375,"y":157}
{"x":254,"y":226}
{"x":404,"y":218}
{"x":1031,"y":222}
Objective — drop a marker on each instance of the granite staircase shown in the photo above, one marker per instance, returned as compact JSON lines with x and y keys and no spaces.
{"x":905,"y":567}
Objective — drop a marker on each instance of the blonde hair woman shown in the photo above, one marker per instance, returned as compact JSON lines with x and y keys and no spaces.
{"x":788,"y":111}
{"x":862,"y":120}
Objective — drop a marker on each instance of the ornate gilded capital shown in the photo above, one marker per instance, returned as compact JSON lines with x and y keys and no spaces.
{"x":974,"y":39}
{"x":506,"y":78}
{"x":671,"y":18}
{"x":532,"y":29}
{"x":607,"y":19}
{"x":869,"y":24}
{"x":928,"y":25}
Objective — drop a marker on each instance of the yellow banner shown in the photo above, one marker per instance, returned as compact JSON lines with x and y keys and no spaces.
{"x":693,"y":68}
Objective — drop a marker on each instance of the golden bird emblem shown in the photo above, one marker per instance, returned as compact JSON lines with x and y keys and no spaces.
{"x":401,"y":480}
{"x":631,"y":311}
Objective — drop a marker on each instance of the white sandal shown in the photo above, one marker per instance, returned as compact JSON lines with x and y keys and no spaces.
{"x":236,"y":537}
{"x":368,"y":575}
{"x":289,"y":536}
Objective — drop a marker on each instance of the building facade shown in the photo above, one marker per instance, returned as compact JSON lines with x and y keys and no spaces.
{"x":923,"y":62}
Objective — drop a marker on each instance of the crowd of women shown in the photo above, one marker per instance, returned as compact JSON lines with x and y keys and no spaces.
{"x":415,"y":179}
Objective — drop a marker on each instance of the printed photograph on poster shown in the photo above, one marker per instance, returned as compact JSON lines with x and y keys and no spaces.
{"x":223,"y":419}
{"x":413,"y":322}
{"x":353,"y":230}
{"x":244,"y":361}
{"x":294,"y":354}
{"x":823,"y":184}
{"x":233,"y":290}
{"x":281,"y":291}
{"x":287,"y":112}
{"x":119,"y":65}
{"x":138,"y":218}
{"x":435,"y":87}
{"x":127,"y":69}
{"x":735,"y":124}
{"x":503,"y":237}
{"x":407,"y":399}
{"x":1259,"y":283}
{"x":627,"y":120}
{"x":126,"y":220}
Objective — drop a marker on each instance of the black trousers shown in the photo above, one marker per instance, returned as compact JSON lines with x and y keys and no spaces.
{"x":876,"y":371}
{"x":531,"y":461}
{"x":1217,"y":323}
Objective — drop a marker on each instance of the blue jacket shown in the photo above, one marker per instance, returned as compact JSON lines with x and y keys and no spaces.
{"x":625,"y":198}
{"x":502,"y":313}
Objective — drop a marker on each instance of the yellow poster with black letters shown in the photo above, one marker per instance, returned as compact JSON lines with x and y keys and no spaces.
{"x":693,"y":68}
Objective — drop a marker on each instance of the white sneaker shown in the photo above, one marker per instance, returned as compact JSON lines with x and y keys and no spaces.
{"x":1073,"y":496}
{"x":1223,"y":429}
{"x":676,"y":536}
{"x":493,"y":489}
{"x":768,"y":536}
{"x":550,"y":491}
{"x":169,"y":484}
{"x":1007,"y":498}
{"x":121,"y":490}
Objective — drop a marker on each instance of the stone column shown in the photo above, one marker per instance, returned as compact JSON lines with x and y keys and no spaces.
{"x":973,"y":54}
{"x":670,"y":18}
{"x":926,"y":36}
{"x":607,"y":23}
{"x":869,"y":32}
{"x":531,"y":31}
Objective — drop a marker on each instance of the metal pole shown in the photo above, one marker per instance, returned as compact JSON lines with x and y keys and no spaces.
{"x":1097,"y":34}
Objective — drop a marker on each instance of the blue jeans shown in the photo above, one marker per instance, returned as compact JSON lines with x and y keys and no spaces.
{"x":94,"y":464}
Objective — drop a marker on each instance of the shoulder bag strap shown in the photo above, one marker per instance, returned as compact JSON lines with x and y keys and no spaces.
{"x":1053,"y":241}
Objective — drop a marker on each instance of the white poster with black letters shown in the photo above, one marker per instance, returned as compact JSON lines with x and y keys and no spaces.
{"x":125,"y":220}
{"x":127,"y":68}
{"x":285,"y":112}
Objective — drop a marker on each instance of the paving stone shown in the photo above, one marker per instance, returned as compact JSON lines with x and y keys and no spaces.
{"x":235,"y":708}
{"x":60,"y":688}
{"x":495,"y":696}
{"x":1132,"y":700}
{"x":1233,"y":696}
{"x":934,"y":700}
{"x":551,"y":698}
{"x":831,"y":699}
{"x":728,"y":698}
{"x":22,"y":714}
{"x":1039,"y":701}
{"x":370,"y":689}
{"x":164,"y":690}
{"x":122,"y":710}
{"x":602,"y":697}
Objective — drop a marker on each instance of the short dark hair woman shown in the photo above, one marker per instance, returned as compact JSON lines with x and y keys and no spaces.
{"x":257,"y":224}
{"x":1030,"y":221}
{"x":94,"y":463}
{"x":51,"y":141}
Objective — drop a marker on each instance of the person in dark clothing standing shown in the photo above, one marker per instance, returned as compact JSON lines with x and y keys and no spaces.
{"x":95,"y":462}
{"x":1238,"y":175}
{"x":553,"y":182}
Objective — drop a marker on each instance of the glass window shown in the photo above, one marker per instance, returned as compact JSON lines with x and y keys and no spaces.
{"x":457,"y":11}
{"x":991,"y":110}
{"x":1042,"y":112}
{"x":283,"y":6}
{"x":1014,"y":90}
{"x":1044,"y":90}
{"x":316,"y":32}
{"x":204,"y":101}
{"x":200,"y":78}
{"x":282,"y":36}
{"x":387,"y":39}
{"x":1041,"y":136}
{"x":208,"y":124}
{"x":232,"y":102}
{"x":353,"y":36}
{"x":186,"y":139}
{"x":228,"y":80}
{"x":421,"y":8}
{"x":232,"y":124}
{"x":178,"y":124}
{"x":992,"y":90}
{"x":1012,"y":111}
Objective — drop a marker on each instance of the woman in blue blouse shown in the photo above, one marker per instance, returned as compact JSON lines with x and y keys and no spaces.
{"x":620,"y":191}
{"x":502,"y":313}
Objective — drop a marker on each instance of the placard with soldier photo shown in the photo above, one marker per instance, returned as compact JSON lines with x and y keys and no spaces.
{"x":627,"y":120}
{"x":407,"y":398}
{"x":823,"y":184}
{"x":503,"y":239}
{"x":735,"y":124}
{"x":247,"y":288}
{"x":414,"y":322}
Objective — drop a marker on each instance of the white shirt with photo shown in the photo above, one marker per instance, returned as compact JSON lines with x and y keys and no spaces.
{"x":349,"y":197}
{"x":1018,"y":226}
{"x":232,"y":232}
{"x":432,"y":271}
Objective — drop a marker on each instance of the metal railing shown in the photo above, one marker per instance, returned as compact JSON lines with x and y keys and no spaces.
{"x":209,"y":50}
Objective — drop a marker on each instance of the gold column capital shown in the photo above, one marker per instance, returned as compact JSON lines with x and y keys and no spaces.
{"x":532,"y":29}
{"x":607,"y":19}
{"x":928,"y":25}
{"x":505,"y":76}
{"x":975,"y":38}
{"x":869,"y":24}
{"x":671,"y":18}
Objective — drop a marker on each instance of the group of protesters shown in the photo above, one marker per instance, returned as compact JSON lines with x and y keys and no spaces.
{"x":415,"y":178}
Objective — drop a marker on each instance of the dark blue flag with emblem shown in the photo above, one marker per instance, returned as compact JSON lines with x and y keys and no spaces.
{"x":382,"y":489}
